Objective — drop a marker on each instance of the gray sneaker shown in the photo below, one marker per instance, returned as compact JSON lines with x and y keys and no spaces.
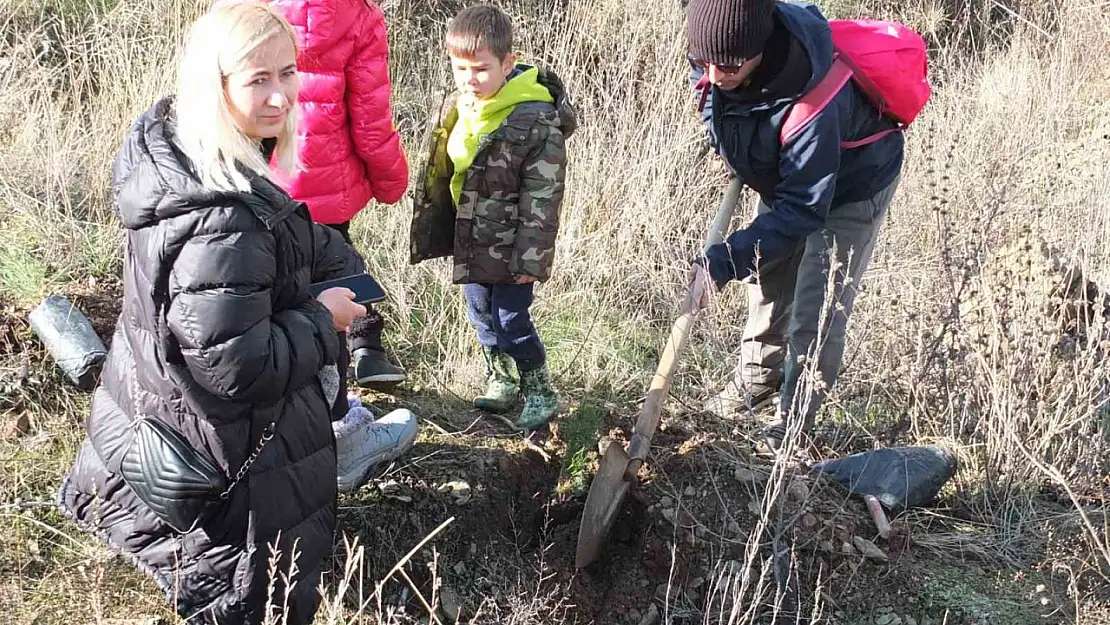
{"x":737,"y":399}
{"x":362,"y":443}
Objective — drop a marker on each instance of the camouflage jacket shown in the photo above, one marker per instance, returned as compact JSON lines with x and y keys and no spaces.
{"x":508,"y":214}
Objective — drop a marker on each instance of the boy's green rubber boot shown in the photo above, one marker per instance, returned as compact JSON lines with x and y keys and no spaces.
{"x":502,"y":387}
{"x":540,"y":401}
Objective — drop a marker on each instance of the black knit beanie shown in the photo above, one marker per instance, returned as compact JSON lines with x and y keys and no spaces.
{"x":728,"y":32}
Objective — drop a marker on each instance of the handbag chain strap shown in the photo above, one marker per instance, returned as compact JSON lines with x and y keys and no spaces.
{"x":267,"y":434}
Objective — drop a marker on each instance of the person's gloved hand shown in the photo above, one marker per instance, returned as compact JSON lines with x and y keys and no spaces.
{"x":700,"y":283}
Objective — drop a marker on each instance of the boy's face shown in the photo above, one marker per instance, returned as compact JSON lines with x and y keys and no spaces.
{"x":482,"y":75}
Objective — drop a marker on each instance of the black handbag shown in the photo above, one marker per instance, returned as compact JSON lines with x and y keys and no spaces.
{"x":171,"y":478}
{"x":176,"y":482}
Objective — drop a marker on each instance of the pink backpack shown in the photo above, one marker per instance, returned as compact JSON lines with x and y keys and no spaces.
{"x":888,"y":63}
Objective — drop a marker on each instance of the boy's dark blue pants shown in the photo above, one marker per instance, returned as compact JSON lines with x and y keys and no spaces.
{"x":499,"y":312}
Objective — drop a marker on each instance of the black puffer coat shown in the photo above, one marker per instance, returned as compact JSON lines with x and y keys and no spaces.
{"x":218,"y":337}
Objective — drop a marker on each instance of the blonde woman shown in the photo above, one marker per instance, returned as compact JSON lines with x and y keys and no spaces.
{"x":210,"y":441}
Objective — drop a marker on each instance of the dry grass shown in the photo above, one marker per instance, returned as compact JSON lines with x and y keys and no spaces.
{"x":953,"y":340}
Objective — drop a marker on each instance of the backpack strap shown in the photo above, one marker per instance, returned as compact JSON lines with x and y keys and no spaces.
{"x":702,"y":89}
{"x":815,"y":100}
{"x":848,"y":145}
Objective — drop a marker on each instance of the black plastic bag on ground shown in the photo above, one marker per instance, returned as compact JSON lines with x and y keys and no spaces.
{"x":70,"y":339}
{"x":899,"y":477}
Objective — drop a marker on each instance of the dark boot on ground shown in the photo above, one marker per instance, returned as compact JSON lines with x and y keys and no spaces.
{"x":373,"y":369}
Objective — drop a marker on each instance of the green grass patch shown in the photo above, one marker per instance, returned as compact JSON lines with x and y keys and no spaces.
{"x":580,"y":431}
{"x":23,"y":277}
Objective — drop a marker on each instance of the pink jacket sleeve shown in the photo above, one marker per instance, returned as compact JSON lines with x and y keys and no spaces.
{"x":376,"y":141}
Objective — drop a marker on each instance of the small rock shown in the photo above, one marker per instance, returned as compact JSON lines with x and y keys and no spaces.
{"x":666,"y":502}
{"x":847,"y":549}
{"x":669,"y":515}
{"x":755,"y":507}
{"x":460,"y":568}
{"x":634,"y":616}
{"x":869,"y":549}
{"x":450,"y":604}
{"x":651,"y":617}
{"x":700,"y":531}
{"x":733,"y":527}
{"x":809,"y":521}
{"x":888,"y":619}
{"x":797,"y":491}
{"x":14,"y":425}
{"x":745,"y":475}
{"x":690,"y":491}
{"x":826,"y":546}
{"x":909,"y":620}
{"x":696,"y":583}
{"x":643,"y":583}
{"x":458,"y":489}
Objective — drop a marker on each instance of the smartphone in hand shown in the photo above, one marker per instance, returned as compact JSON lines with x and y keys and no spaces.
{"x":363,"y":285}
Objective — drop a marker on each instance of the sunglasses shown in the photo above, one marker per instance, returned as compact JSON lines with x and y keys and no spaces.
{"x":703,"y":64}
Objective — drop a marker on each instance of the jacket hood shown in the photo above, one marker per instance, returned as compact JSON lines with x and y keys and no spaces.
{"x":523,"y":86}
{"x":154,"y":180}
{"x":327,"y":21}
{"x":565,"y":117}
{"x":807,"y":26}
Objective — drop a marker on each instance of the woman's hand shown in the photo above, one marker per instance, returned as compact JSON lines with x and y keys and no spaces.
{"x":339,"y":301}
{"x":523,"y":279}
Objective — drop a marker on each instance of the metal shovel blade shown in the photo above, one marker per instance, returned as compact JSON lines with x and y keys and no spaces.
{"x":604,"y":501}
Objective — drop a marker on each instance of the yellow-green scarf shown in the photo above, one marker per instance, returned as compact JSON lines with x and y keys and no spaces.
{"x":478,"y":118}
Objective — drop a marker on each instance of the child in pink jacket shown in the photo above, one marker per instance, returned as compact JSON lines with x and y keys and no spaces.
{"x":349,"y":151}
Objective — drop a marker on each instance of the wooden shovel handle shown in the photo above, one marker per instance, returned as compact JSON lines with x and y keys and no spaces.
{"x":878,"y":515}
{"x":646,"y":425}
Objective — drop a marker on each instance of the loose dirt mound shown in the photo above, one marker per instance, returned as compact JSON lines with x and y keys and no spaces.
{"x":688,"y":545}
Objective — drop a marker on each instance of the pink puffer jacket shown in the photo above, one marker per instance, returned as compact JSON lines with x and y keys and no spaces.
{"x":349,"y":151}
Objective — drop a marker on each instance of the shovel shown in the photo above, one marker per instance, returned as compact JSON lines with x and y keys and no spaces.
{"x":619,"y":466}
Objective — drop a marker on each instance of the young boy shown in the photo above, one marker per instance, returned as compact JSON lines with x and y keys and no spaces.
{"x":493,"y":185}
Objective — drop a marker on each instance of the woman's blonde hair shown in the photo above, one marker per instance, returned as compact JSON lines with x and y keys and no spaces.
{"x":218,"y":44}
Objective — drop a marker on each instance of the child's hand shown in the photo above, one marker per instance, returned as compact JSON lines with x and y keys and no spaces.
{"x":338,"y":301}
{"x":522,"y":279}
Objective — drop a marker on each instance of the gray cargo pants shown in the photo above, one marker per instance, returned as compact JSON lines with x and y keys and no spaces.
{"x":790,"y":319}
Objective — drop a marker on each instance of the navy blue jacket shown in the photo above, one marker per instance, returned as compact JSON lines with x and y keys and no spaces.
{"x":811,"y":175}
